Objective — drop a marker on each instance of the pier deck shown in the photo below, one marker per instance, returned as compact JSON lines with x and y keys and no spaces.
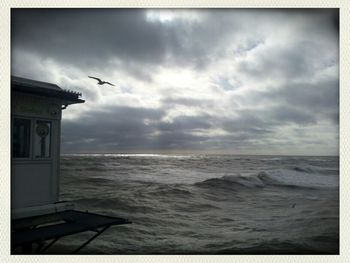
{"x":38,"y":229}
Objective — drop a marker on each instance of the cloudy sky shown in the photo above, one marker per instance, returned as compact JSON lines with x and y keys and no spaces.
{"x":241,"y":81}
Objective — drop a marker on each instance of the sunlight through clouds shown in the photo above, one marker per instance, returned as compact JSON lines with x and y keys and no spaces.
{"x":242,"y":78}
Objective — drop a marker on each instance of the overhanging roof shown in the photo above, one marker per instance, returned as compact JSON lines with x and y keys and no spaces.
{"x":44,"y":89}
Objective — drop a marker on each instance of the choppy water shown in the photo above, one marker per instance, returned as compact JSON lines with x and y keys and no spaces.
{"x":206,"y":204}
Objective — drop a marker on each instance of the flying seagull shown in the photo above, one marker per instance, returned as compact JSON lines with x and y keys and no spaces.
{"x":100,"y":82}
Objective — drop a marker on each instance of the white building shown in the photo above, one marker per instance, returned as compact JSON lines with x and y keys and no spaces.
{"x":36,"y":110}
{"x":37,"y":214}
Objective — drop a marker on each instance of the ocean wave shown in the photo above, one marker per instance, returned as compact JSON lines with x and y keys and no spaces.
{"x":275,"y":247}
{"x":162,"y":189}
{"x":119,"y":205}
{"x":304,"y":169}
{"x":95,"y":169}
{"x":316,"y":170}
{"x":229,"y":181}
{"x":282,"y":178}
{"x":208,"y":204}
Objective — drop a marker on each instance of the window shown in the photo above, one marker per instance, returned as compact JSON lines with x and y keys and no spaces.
{"x":21,"y":138}
{"x":42,"y":141}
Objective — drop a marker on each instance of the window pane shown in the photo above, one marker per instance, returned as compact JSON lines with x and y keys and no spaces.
{"x":42,"y":139}
{"x":21,"y":138}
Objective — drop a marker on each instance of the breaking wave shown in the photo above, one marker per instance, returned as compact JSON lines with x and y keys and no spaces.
{"x":295,"y":178}
{"x":207,"y":204}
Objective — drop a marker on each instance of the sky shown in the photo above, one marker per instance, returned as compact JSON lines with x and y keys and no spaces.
{"x":224,"y":81}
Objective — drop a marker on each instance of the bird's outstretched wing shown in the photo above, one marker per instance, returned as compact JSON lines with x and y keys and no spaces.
{"x":109,"y":83}
{"x":94,"y":78}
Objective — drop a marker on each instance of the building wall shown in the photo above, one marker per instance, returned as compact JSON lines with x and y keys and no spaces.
{"x":35,"y":166}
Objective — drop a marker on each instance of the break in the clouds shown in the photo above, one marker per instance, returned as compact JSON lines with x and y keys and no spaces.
{"x":256,"y":81}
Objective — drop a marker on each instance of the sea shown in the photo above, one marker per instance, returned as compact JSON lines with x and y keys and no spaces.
{"x":205,"y":204}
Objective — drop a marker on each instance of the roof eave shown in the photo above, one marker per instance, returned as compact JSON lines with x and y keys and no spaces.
{"x":66,"y":97}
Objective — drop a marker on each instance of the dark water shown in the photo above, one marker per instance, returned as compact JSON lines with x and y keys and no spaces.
{"x":206,"y":204}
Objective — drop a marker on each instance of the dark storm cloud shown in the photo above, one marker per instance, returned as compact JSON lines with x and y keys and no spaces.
{"x":92,"y":38}
{"x":178,"y":140}
{"x":322,"y":96}
{"x":114,"y":127}
{"x":264,"y":122}
{"x":130,"y":128}
{"x":87,"y":35}
{"x":299,"y":93}
{"x":317,"y":101}
{"x":248,"y":46}
{"x":285,"y":114}
{"x":288,"y":62}
{"x":248,"y":121}
{"x":185,"y":123}
{"x":125,"y":129}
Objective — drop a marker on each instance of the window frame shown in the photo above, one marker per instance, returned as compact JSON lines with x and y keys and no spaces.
{"x":30,"y":138}
{"x":33,"y":121}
